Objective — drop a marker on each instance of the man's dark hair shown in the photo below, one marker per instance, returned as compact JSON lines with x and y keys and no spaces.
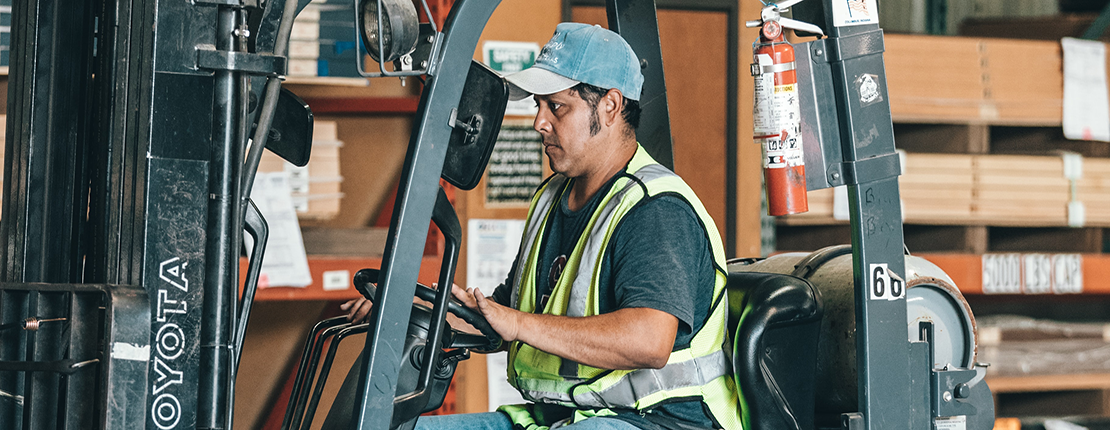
{"x":592,"y":95}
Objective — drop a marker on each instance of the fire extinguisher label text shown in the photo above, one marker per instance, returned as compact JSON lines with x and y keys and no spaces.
{"x":777,"y":118}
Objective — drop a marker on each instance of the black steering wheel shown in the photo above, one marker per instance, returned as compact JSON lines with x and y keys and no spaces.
{"x":365,"y":281}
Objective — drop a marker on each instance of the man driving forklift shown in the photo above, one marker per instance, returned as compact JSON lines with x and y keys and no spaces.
{"x":613,"y":313}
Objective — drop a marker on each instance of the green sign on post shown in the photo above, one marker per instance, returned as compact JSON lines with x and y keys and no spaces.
{"x":512,"y":57}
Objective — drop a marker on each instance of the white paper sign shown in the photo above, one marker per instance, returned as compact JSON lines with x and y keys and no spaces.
{"x":841,"y":211}
{"x":855,"y":12}
{"x":491,"y":247}
{"x":511,"y":57}
{"x":285,"y":263}
{"x":1086,"y":104}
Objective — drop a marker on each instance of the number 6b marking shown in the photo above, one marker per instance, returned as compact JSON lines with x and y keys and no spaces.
{"x":885,"y":285}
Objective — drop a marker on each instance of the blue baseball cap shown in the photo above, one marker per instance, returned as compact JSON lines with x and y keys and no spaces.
{"x":580,"y":53}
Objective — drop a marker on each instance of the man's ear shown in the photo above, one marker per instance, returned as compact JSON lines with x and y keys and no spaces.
{"x":611,"y":106}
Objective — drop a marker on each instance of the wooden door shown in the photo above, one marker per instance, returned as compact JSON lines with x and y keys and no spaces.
{"x":694,"y":44}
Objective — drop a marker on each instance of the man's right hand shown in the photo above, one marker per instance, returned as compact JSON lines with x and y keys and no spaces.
{"x":358,"y":310}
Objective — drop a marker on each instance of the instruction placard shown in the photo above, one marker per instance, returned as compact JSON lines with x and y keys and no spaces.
{"x":515,"y":166}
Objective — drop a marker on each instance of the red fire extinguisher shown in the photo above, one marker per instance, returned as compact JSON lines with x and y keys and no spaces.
{"x":777,"y":116}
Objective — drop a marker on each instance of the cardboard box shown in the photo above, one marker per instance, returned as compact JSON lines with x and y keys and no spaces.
{"x":316,"y":187}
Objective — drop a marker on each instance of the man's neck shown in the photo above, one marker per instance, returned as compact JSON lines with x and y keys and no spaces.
{"x":584,"y":187}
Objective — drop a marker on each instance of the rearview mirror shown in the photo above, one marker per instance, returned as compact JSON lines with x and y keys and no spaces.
{"x":477,"y":122}
{"x":291,"y":131}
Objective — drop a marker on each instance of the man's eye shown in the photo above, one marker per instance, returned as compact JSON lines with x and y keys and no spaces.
{"x":556,"y":106}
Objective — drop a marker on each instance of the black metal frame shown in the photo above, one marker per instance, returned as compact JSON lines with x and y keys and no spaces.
{"x":123,"y":159}
{"x":657,"y":140}
{"x":84,"y":355}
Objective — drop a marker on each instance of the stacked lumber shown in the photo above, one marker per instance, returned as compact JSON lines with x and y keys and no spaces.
{"x":1094,"y":190}
{"x":1000,"y":190}
{"x":316,"y":187}
{"x":1020,"y":190}
{"x":937,"y":188}
{"x":970,"y":80}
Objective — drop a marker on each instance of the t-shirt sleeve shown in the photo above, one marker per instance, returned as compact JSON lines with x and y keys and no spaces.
{"x":661,"y":260}
{"x":502,"y":295}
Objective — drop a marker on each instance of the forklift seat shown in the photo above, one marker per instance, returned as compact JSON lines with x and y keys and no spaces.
{"x":775,"y":321}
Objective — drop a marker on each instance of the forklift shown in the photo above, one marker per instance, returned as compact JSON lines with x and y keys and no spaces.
{"x":135,"y":128}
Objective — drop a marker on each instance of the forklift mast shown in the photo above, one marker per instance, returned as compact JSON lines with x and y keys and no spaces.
{"x":124,"y":207}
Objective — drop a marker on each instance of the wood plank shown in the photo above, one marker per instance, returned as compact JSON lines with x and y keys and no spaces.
{"x":1033,"y":383}
{"x":920,"y":79}
{"x":1015,"y":195}
{"x":1011,"y":163}
{"x":1023,"y":78}
{"x":966,"y":270}
{"x":909,"y":193}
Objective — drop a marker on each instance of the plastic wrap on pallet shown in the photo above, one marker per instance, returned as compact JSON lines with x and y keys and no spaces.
{"x":1019,"y":346}
{"x":1005,"y":328}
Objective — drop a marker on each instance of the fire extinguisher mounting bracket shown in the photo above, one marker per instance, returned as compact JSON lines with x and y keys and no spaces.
{"x":772,"y":13}
{"x":849,"y":47}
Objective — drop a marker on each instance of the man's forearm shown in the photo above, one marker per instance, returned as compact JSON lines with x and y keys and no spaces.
{"x":631,"y":338}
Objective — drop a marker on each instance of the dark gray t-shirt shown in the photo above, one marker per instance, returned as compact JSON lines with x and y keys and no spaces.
{"x":659,"y":258}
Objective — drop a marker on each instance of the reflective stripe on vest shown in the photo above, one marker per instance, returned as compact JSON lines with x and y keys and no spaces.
{"x":581,"y":289}
{"x":636,"y":385}
{"x":546,"y":198}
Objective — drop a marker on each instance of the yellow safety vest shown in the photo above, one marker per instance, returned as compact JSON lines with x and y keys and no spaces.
{"x":700,"y":371}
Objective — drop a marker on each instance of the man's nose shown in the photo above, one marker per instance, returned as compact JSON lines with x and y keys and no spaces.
{"x":541,"y":124}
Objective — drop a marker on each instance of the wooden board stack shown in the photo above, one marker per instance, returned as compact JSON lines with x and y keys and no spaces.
{"x":999,"y":81}
{"x":999,"y":190}
{"x":1094,"y":191}
{"x":937,"y":188}
{"x":1020,"y":190}
{"x":315,"y":188}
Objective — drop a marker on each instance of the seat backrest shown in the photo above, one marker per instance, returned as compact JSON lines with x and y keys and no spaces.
{"x":775,"y":321}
